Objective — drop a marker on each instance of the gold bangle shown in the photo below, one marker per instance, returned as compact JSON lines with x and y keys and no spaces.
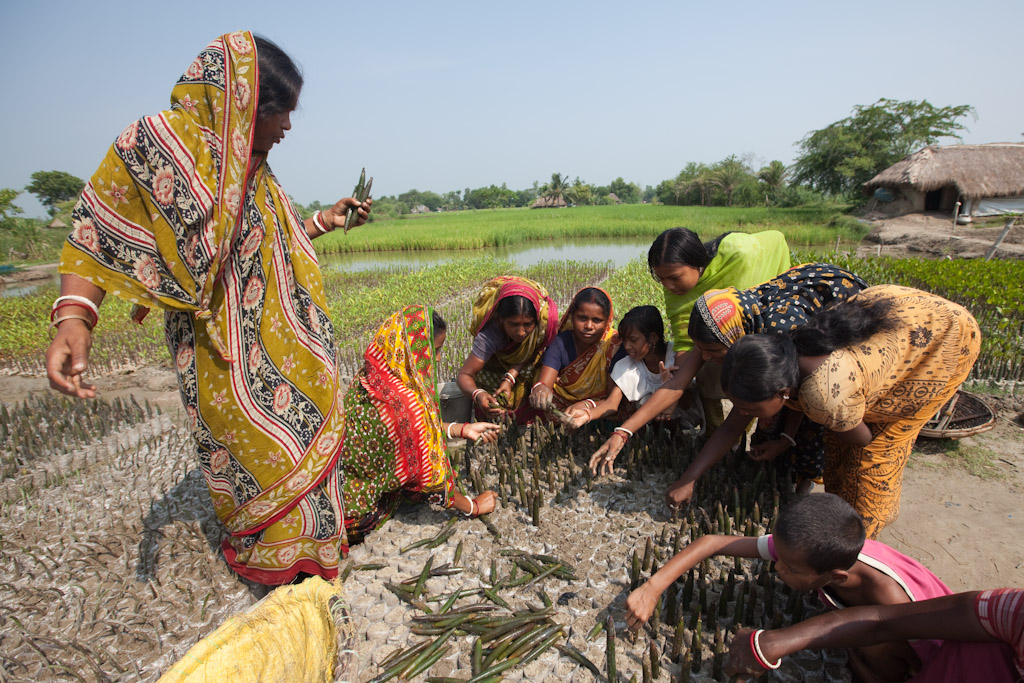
{"x":70,"y":316}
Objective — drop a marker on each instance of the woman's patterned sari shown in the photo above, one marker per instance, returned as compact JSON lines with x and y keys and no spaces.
{"x":527,"y":353}
{"x":393,"y":443}
{"x":183,"y":216}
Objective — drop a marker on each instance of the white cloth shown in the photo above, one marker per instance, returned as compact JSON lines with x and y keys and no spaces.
{"x":635,"y":380}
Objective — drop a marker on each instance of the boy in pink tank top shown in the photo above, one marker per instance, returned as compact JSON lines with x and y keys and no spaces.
{"x":819,"y":544}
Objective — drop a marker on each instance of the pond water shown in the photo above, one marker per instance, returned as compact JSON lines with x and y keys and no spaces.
{"x":618,"y":251}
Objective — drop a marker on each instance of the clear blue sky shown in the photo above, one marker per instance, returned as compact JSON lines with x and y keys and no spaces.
{"x":448,"y":95}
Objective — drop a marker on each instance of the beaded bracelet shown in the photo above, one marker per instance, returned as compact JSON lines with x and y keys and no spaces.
{"x":788,"y":438}
{"x":755,"y":646}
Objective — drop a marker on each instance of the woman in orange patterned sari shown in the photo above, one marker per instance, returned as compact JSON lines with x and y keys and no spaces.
{"x":185,"y":215}
{"x":395,"y":443}
{"x":576,"y":364}
{"x":873,"y":370}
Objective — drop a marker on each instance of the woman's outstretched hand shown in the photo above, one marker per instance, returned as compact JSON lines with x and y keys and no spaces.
{"x":542,"y":397}
{"x":740,"y":660}
{"x":603,"y":458}
{"x":334,"y":217}
{"x":68,"y":357}
{"x":489,"y":404}
{"x":679,"y":494}
{"x":485,"y":502}
{"x":486,"y":432}
{"x":769,"y":450}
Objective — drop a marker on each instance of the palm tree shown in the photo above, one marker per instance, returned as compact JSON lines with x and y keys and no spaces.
{"x":728,"y":176}
{"x":773,"y":176}
{"x":556,"y":189}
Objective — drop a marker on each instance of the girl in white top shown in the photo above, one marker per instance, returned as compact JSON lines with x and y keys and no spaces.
{"x":641,"y":365}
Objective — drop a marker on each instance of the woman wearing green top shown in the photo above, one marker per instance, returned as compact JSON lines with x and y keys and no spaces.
{"x":686,"y":269}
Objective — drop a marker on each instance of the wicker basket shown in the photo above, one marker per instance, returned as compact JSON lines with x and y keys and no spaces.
{"x":963,"y":415}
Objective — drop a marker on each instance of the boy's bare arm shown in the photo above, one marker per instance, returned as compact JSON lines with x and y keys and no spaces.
{"x":641,"y":602}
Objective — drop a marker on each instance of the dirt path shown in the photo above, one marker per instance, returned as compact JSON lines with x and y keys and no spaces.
{"x":933,"y":235}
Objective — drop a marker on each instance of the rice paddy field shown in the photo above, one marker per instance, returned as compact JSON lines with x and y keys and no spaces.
{"x":500,"y":227}
{"x":110,"y":546}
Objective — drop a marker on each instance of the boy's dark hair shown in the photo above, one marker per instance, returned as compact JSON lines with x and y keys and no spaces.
{"x":647,"y":321}
{"x":590,"y":295}
{"x":759,"y":366}
{"x":438,"y":323}
{"x":516,"y":305}
{"x":824,"y":529}
{"x":682,"y":247}
{"x":280,"y":79}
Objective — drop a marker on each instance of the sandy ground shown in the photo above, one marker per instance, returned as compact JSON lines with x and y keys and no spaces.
{"x":933,"y":235}
{"x":138,"y":576}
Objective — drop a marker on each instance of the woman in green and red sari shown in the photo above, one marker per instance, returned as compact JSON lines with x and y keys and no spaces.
{"x":395,"y":444}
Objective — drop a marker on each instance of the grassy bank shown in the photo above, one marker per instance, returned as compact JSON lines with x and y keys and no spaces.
{"x":501,"y":227}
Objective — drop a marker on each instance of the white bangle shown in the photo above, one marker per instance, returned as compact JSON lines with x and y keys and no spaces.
{"x":318,"y":223}
{"x":88,"y":303}
{"x":449,"y":430}
{"x":472,"y":399}
{"x":590,"y":402}
{"x":623,"y":429}
{"x":538,"y":384}
{"x":788,"y":438}
{"x":757,"y":648}
{"x":472,"y":508}
{"x":510,"y":377}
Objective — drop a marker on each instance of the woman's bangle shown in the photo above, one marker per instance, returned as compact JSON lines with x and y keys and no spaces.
{"x":70,"y":316}
{"x":510,"y":377}
{"x":75,"y":300}
{"x":472,"y":508}
{"x":93,"y":318}
{"x":472,"y":399}
{"x":591,"y":403}
{"x":755,"y":646}
{"x":537,"y":384}
{"x":622,"y":431}
{"x":462,"y":431}
{"x":589,"y":416}
{"x":788,"y":438}
{"x":448,"y":431}
{"x":318,"y":223}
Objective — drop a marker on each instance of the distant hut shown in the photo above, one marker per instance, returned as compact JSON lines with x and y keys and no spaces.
{"x":614,"y":198}
{"x":57,"y":224}
{"x":420,"y":209}
{"x":986,"y":179}
{"x":549,"y":203}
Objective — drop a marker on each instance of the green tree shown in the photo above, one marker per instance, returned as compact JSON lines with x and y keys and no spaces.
{"x":628,"y":193}
{"x":841,"y":157}
{"x":557,"y":188}
{"x":54,"y":187}
{"x":580,"y":194}
{"x":8,"y":209}
{"x":773,"y":180}
{"x":728,"y":175}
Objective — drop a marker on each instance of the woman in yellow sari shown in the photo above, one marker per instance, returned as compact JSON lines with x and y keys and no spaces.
{"x":575,"y":366}
{"x":873,"y":370}
{"x":185,"y":215}
{"x":514,"y":320}
{"x":395,"y":445}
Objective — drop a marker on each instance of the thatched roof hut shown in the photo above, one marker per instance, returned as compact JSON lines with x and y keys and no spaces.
{"x":986,"y":179}
{"x":57,"y":223}
{"x":549,"y":203}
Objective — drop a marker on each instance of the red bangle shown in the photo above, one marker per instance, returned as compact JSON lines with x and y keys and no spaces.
{"x":64,"y":304}
{"x":462,"y":431}
{"x":756,"y":649}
